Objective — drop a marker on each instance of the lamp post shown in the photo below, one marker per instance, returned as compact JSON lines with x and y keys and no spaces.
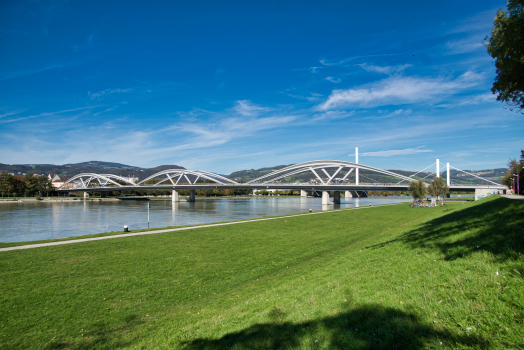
{"x":518,"y":183}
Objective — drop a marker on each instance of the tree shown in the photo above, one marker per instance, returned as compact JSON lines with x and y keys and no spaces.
{"x":515,"y":167}
{"x":506,"y":46}
{"x":438,"y":188}
{"x":417,"y":189}
{"x":4,"y":183}
{"x":229,"y":192}
{"x":33,"y":183}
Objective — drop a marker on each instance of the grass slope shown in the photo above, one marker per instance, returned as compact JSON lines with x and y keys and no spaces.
{"x":386,"y":277}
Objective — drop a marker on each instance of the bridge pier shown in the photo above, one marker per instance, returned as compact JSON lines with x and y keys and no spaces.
{"x":348,"y":194}
{"x":174,"y":196}
{"x":481,"y":193}
{"x":86,"y":195}
{"x":303,"y":193}
{"x":191,"y":196}
{"x":325,"y":197}
{"x":336,"y":197}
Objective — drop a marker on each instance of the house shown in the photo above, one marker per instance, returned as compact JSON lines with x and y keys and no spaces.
{"x":131,"y":179}
{"x":53,"y":178}
{"x":60,"y":182}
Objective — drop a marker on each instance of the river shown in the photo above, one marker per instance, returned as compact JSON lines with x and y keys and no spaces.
{"x":30,"y":221}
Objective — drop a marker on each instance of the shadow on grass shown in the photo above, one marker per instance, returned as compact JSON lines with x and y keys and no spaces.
{"x":496,"y":226}
{"x":102,"y":336}
{"x":366,"y":327}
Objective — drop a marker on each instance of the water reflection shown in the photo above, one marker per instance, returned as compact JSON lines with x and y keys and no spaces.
{"x":44,"y":220}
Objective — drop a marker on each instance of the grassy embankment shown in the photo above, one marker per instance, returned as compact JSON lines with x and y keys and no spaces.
{"x":386,"y":277}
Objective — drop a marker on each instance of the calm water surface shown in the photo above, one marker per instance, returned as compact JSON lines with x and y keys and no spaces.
{"x":21,"y":222}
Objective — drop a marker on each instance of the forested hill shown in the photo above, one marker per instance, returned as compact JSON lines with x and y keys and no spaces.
{"x":69,"y":170}
{"x":247,"y":175}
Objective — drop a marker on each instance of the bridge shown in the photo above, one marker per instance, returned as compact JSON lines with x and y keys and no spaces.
{"x":324,"y":179}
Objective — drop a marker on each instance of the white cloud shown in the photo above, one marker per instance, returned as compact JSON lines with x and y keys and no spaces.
{"x":400,"y":90}
{"x":100,"y":94}
{"x":384,"y":70}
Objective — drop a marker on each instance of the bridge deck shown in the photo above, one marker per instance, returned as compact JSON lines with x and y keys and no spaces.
{"x":278,"y":186}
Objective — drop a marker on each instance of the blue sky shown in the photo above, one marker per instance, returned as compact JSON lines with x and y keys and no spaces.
{"x":229,"y":85}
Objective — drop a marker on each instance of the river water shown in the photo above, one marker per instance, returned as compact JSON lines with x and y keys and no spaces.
{"x":30,"y":221}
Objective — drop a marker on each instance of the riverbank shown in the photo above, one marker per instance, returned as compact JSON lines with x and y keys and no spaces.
{"x":110,"y":235}
{"x":385,"y":277}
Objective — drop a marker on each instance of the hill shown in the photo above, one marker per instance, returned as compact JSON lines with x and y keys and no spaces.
{"x":69,"y":170}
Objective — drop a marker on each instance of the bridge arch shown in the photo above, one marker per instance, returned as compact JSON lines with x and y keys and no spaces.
{"x":85,"y":179}
{"x":179,"y":174}
{"x":315,"y":165}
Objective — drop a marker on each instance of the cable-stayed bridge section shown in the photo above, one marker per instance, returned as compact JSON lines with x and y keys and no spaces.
{"x":326,"y":176}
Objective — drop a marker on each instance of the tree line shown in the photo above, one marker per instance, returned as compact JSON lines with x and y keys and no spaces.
{"x":28,"y":185}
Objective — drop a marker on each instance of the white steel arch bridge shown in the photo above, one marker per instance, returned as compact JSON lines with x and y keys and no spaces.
{"x":324,"y":179}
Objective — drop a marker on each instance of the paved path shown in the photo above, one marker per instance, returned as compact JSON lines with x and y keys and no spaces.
{"x":38,"y":245}
{"x":512,"y":196}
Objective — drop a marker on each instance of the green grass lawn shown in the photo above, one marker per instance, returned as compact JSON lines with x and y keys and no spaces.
{"x":389,"y":277}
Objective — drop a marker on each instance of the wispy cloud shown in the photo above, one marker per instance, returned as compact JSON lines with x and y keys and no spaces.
{"x":312,"y":69}
{"x":225,"y":130}
{"x":47,"y":114}
{"x":21,"y":73}
{"x":246,"y":108}
{"x":334,"y":80}
{"x":384,"y":70}
{"x":330,"y":115}
{"x":469,"y":100}
{"x":313,"y":97}
{"x":400,"y":90}
{"x":395,"y":113}
{"x":480,"y":22}
{"x":465,"y":45}
{"x":343,"y":61}
{"x":396,"y":152}
{"x":10,"y":113}
{"x":101,"y":94}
